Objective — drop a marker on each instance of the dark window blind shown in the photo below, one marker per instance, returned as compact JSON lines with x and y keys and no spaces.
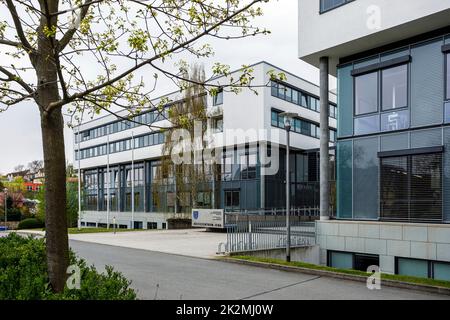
{"x":411,"y":188}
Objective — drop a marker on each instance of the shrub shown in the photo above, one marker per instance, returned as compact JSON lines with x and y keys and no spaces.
{"x":14,"y":214}
{"x":23,"y":275}
{"x":30,"y":223}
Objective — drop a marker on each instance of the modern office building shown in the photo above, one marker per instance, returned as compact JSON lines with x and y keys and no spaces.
{"x":392,"y":62}
{"x":246,"y":127}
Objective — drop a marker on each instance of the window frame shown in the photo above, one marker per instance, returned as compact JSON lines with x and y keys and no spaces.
{"x":408,"y":155}
{"x":380,"y":112}
{"x":431,"y":265}
{"x":354,"y":257}
{"x":381,"y":106}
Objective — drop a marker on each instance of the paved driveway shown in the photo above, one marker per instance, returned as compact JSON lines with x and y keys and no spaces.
{"x":166,"y":276}
{"x":190,"y":242}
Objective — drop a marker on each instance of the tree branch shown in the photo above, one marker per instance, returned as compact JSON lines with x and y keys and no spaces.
{"x":20,"y":33}
{"x":80,"y":95}
{"x":70,"y":33}
{"x":12,"y":77}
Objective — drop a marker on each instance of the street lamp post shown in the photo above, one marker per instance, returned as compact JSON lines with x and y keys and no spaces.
{"x":288,"y":117}
{"x":6,"y":205}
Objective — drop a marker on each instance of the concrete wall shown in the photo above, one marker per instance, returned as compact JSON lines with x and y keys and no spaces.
{"x":124,"y":218}
{"x":308,"y":254}
{"x":364,"y":24}
{"x":386,"y":239}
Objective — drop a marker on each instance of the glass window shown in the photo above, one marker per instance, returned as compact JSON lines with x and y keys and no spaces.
{"x":395,"y":87}
{"x":441,"y":271}
{"x":326,"y":5}
{"x":412,"y":267}
{"x":411,"y":188}
{"x":274,"y":89}
{"x":304,"y":100}
{"x":341,"y":260}
{"x":448,"y":75}
{"x":218,"y":98}
{"x":274,"y":118}
{"x":395,"y":121}
{"x":366,"y":93}
{"x":295,"y":94}
{"x":447,"y":112}
{"x":281,"y":91}
{"x":288,"y":94}
{"x":367,"y":125}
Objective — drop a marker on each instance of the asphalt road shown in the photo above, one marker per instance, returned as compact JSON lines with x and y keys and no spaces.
{"x":166,"y":276}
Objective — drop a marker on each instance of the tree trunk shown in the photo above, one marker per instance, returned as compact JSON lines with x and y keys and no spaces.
{"x":55,"y":199}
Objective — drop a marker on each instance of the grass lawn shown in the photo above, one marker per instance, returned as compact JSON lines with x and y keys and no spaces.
{"x":407,"y":279}
{"x":100,"y":230}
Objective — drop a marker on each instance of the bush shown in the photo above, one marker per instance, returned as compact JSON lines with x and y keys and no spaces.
{"x":14,"y":214}
{"x":30,"y":223}
{"x":23,"y":275}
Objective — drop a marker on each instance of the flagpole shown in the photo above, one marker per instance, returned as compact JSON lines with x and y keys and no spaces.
{"x":132,"y":180}
{"x":79,"y":179}
{"x":108,"y":175}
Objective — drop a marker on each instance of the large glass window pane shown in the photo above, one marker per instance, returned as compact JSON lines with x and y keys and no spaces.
{"x":395,"y":87}
{"x":341,"y":260}
{"x":366,"y":93}
{"x":448,"y":76}
{"x":442,"y":271}
{"x":413,"y":268}
{"x":395,"y":121}
{"x":365,"y":178}
{"x":366,"y":125}
{"x":426,"y":187}
{"x":394,"y":188}
{"x":344,"y":179}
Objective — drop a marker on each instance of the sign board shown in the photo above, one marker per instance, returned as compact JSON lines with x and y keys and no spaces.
{"x":208,"y":218}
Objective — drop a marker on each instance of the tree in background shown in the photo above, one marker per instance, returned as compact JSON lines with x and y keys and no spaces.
{"x":51,"y":47}
{"x":194,"y":178}
{"x":36,"y":165}
{"x":71,"y":206}
{"x":19,"y":168}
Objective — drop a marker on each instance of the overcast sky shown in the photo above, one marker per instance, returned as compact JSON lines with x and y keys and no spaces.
{"x":20,"y":135}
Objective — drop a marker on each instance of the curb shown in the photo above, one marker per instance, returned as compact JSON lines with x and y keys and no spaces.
{"x":342,"y":276}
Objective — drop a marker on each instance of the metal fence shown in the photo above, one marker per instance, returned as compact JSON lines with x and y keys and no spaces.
{"x":258,"y":234}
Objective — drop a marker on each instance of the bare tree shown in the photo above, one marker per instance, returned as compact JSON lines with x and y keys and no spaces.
{"x":19,"y":168}
{"x":35,"y":165}
{"x":85,"y":55}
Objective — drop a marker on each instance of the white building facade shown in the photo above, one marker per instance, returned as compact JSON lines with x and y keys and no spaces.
{"x":246,"y":127}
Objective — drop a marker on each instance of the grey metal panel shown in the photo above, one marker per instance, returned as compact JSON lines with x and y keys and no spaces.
{"x":427,"y":85}
{"x":365,"y":178}
{"x":426,"y":138}
{"x":344,"y":179}
{"x":447,"y":174}
{"x":394,"y":54}
{"x":367,"y":62}
{"x":394,"y":142}
{"x":345,"y":101}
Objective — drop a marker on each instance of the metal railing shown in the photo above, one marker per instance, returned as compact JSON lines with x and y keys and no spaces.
{"x":256,"y":234}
